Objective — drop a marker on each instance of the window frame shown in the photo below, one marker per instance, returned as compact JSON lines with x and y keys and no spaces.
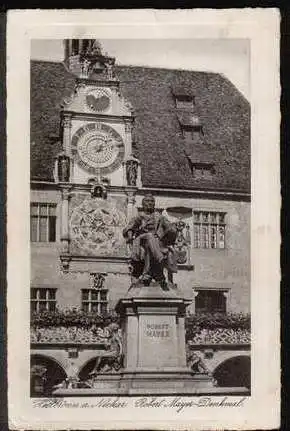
{"x":98,"y":302}
{"x":47,"y":300}
{"x":48,"y":219}
{"x":188,"y":132}
{"x":202,"y":170}
{"x":225,"y":291}
{"x":187,"y":102}
{"x":208,"y":228}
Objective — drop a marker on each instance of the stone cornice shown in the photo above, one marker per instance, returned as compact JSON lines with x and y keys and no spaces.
{"x":100,"y":117}
{"x":236,"y":195}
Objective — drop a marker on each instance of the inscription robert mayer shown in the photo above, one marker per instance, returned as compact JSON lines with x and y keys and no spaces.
{"x":160,"y":330}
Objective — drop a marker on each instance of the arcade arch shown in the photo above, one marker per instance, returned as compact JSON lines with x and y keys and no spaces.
{"x":234,"y":372}
{"x":46,"y":372}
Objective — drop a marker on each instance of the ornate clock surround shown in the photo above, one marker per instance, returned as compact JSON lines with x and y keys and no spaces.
{"x":97,"y":148}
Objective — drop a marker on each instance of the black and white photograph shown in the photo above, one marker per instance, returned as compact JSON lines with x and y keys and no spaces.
{"x":140,"y":222}
{"x":139,"y":219}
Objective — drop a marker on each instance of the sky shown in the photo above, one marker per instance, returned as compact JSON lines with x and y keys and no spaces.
{"x":230,"y":57}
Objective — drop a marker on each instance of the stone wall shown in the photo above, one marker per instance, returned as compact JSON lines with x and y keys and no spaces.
{"x":223,"y":269}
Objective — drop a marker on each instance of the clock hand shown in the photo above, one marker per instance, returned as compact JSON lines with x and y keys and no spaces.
{"x":99,"y":148}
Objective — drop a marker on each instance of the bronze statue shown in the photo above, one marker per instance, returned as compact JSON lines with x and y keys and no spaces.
{"x":152,"y":238}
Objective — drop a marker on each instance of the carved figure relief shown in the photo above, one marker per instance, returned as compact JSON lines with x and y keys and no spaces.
{"x":111,"y":360}
{"x":195,"y":363}
{"x":182,"y":242}
{"x":132,"y":171}
{"x":96,"y":227}
{"x":63,"y":167}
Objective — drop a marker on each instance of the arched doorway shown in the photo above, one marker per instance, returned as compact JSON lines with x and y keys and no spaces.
{"x":234,"y":372}
{"x":84,"y":373}
{"x":45,"y":373}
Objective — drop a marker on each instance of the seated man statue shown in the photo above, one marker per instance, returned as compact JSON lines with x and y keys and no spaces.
{"x":152,"y":238}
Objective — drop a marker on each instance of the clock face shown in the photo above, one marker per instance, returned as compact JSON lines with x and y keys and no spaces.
{"x":98,"y":100}
{"x":97,"y":148}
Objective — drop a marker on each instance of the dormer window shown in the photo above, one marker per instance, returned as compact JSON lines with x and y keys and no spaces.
{"x":184,"y":97}
{"x":202,"y":170}
{"x":192,"y":133}
{"x":184,"y":102}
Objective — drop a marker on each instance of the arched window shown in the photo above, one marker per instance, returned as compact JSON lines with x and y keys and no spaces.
{"x":84,"y":373}
{"x":45,"y":373}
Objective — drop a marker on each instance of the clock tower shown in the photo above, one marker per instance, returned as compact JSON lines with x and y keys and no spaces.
{"x":96,"y":170}
{"x":96,"y":121}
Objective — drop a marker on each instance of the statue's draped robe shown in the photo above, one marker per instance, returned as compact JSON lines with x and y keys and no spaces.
{"x":154,"y":234}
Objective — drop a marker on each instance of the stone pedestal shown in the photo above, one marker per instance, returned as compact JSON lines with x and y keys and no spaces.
{"x":154,"y":342}
{"x":154,"y":350}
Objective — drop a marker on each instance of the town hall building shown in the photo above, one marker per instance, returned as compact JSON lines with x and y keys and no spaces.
{"x":103,"y":136}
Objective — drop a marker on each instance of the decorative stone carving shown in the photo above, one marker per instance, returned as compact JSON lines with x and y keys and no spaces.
{"x":85,"y":68}
{"x":66,"y":193}
{"x":65,"y":259}
{"x":195,"y":363}
{"x":67,"y":100}
{"x":98,"y":188}
{"x":110,"y":69}
{"x":182,"y":242}
{"x":131,"y":199}
{"x":66,"y":121}
{"x":63,"y":167}
{"x":132,"y":165}
{"x":96,"y":227}
{"x":110,"y":361}
{"x":128,"y":127}
{"x":98,"y":280}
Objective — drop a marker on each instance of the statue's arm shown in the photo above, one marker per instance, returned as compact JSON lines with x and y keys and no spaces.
{"x":131,"y":228}
{"x":168,"y":229}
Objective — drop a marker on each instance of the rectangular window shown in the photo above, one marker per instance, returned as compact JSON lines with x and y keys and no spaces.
{"x":42,"y":299}
{"x":210,"y":301}
{"x":192,"y":133}
{"x":203,"y":171}
{"x":95,"y":300}
{"x":184,"y":102}
{"x":208,"y":229}
{"x":42,"y":222}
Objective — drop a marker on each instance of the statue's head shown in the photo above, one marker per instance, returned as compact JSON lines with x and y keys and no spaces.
{"x":148,"y":204}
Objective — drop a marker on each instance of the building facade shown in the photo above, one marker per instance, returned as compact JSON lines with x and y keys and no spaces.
{"x":102,"y":137}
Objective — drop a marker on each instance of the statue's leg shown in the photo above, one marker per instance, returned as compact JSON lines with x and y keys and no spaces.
{"x":159,"y":275}
{"x":153,"y":245}
{"x":146,"y":276}
{"x":97,"y":365}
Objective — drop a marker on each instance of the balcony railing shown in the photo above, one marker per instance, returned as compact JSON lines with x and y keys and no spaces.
{"x":77,"y":327}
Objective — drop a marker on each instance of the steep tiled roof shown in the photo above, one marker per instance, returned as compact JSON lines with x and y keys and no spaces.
{"x":222,"y":111}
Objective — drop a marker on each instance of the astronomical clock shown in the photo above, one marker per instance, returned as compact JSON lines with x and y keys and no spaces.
{"x":95,"y":168}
